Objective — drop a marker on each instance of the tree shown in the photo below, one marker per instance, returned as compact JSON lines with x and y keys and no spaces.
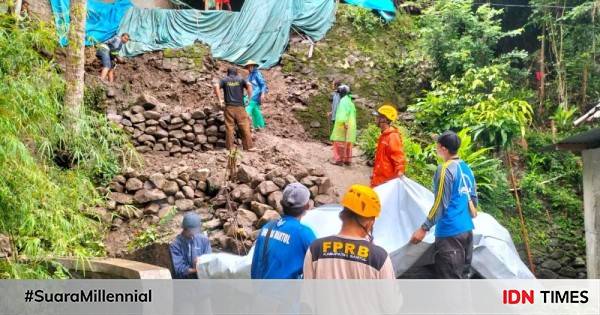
{"x":74,"y":74}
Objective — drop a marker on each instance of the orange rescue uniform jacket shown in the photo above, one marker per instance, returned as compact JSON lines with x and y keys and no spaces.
{"x":389,"y":158}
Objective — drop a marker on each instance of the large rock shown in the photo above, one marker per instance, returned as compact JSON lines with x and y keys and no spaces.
{"x":151,"y":114}
{"x":212,"y":131}
{"x":158,"y":179}
{"x":323,"y":200}
{"x":188,"y":192}
{"x":267,"y":187}
{"x":184,"y":204}
{"x":324,"y":184}
{"x":5,"y":248}
{"x":551,"y":264}
{"x":143,"y":196}
{"x":246,"y":218}
{"x":543,"y":273}
{"x":134,"y":184}
{"x":149,"y":102}
{"x":269,"y":215}
{"x":152,"y":208}
{"x":274,"y":200}
{"x":290,"y":179}
{"x":177,"y":134}
{"x":212,"y":224}
{"x":170,"y":187}
{"x":259,"y":208}
{"x":198,"y":115}
{"x":200,"y":174}
{"x":242,"y":193}
{"x":259,"y":198}
{"x":280,"y":182}
{"x":246,"y":173}
{"x":121,"y":198}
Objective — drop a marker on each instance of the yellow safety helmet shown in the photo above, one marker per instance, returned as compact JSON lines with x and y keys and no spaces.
{"x":363,"y":201}
{"x":388,"y":111}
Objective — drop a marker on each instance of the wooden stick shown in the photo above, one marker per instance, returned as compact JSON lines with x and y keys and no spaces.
{"x":520,"y":210}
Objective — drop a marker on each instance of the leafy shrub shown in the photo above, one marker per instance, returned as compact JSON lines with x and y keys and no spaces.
{"x":496,"y":123}
{"x":483,"y":99}
{"x":361,"y":19}
{"x":458,"y":38}
{"x":42,"y":204}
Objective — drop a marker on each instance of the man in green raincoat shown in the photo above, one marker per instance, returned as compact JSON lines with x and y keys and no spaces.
{"x":344,"y":129}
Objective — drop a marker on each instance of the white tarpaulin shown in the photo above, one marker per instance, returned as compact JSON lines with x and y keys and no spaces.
{"x":404,"y":207}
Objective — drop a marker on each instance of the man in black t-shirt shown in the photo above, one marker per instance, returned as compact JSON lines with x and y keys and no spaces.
{"x":233,"y":103}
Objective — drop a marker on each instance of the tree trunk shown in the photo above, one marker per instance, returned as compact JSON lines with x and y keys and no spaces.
{"x":18,"y":4}
{"x":74,"y":74}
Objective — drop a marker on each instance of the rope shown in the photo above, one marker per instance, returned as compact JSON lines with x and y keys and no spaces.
{"x":230,"y":176}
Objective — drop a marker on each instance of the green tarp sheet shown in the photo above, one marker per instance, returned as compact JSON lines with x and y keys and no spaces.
{"x":260,"y":31}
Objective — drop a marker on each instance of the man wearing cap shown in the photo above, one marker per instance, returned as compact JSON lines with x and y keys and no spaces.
{"x":390,"y":162}
{"x":454,"y":189}
{"x":233,"y":87}
{"x":187,"y":247}
{"x":280,"y":247}
{"x":351,"y":253}
{"x":259,"y":87}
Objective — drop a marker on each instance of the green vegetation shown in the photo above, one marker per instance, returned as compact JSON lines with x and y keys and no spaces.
{"x":48,"y":171}
{"x":473,"y":87}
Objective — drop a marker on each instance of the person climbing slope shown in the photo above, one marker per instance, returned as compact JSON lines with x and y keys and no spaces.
{"x":390,"y":162}
{"x":344,"y":130}
{"x":454,"y":207}
{"x":351,"y":253}
{"x":107,"y":52}
{"x":259,"y":87}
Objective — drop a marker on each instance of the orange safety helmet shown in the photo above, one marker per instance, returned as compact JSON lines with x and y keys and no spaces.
{"x":363,"y":201}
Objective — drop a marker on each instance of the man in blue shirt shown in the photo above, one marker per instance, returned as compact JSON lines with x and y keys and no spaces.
{"x":187,"y":247}
{"x":281,"y":245}
{"x":454,"y":185}
{"x":259,"y":87}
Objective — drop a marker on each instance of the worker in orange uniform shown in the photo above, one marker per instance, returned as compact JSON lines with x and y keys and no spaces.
{"x":390,"y":162}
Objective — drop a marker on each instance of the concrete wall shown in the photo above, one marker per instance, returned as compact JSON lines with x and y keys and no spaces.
{"x":591,"y":204}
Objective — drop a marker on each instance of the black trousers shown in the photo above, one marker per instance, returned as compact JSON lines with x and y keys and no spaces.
{"x":453,"y":256}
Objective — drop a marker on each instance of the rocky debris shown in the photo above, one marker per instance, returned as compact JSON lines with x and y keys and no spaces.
{"x":157,"y":193}
{"x":270,"y":215}
{"x":171,"y":133}
{"x":5,"y":248}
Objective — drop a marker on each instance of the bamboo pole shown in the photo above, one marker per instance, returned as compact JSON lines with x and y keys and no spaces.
{"x":520,"y":210}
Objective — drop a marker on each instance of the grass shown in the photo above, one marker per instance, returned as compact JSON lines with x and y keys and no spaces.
{"x":49,"y":172}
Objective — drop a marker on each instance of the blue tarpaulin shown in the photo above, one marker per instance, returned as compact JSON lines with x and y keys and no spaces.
{"x":379,"y":5}
{"x":103,"y":19}
{"x":385,"y":8}
{"x":260,"y":31}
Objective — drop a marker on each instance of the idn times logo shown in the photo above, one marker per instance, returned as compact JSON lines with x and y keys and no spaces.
{"x":513,"y":296}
